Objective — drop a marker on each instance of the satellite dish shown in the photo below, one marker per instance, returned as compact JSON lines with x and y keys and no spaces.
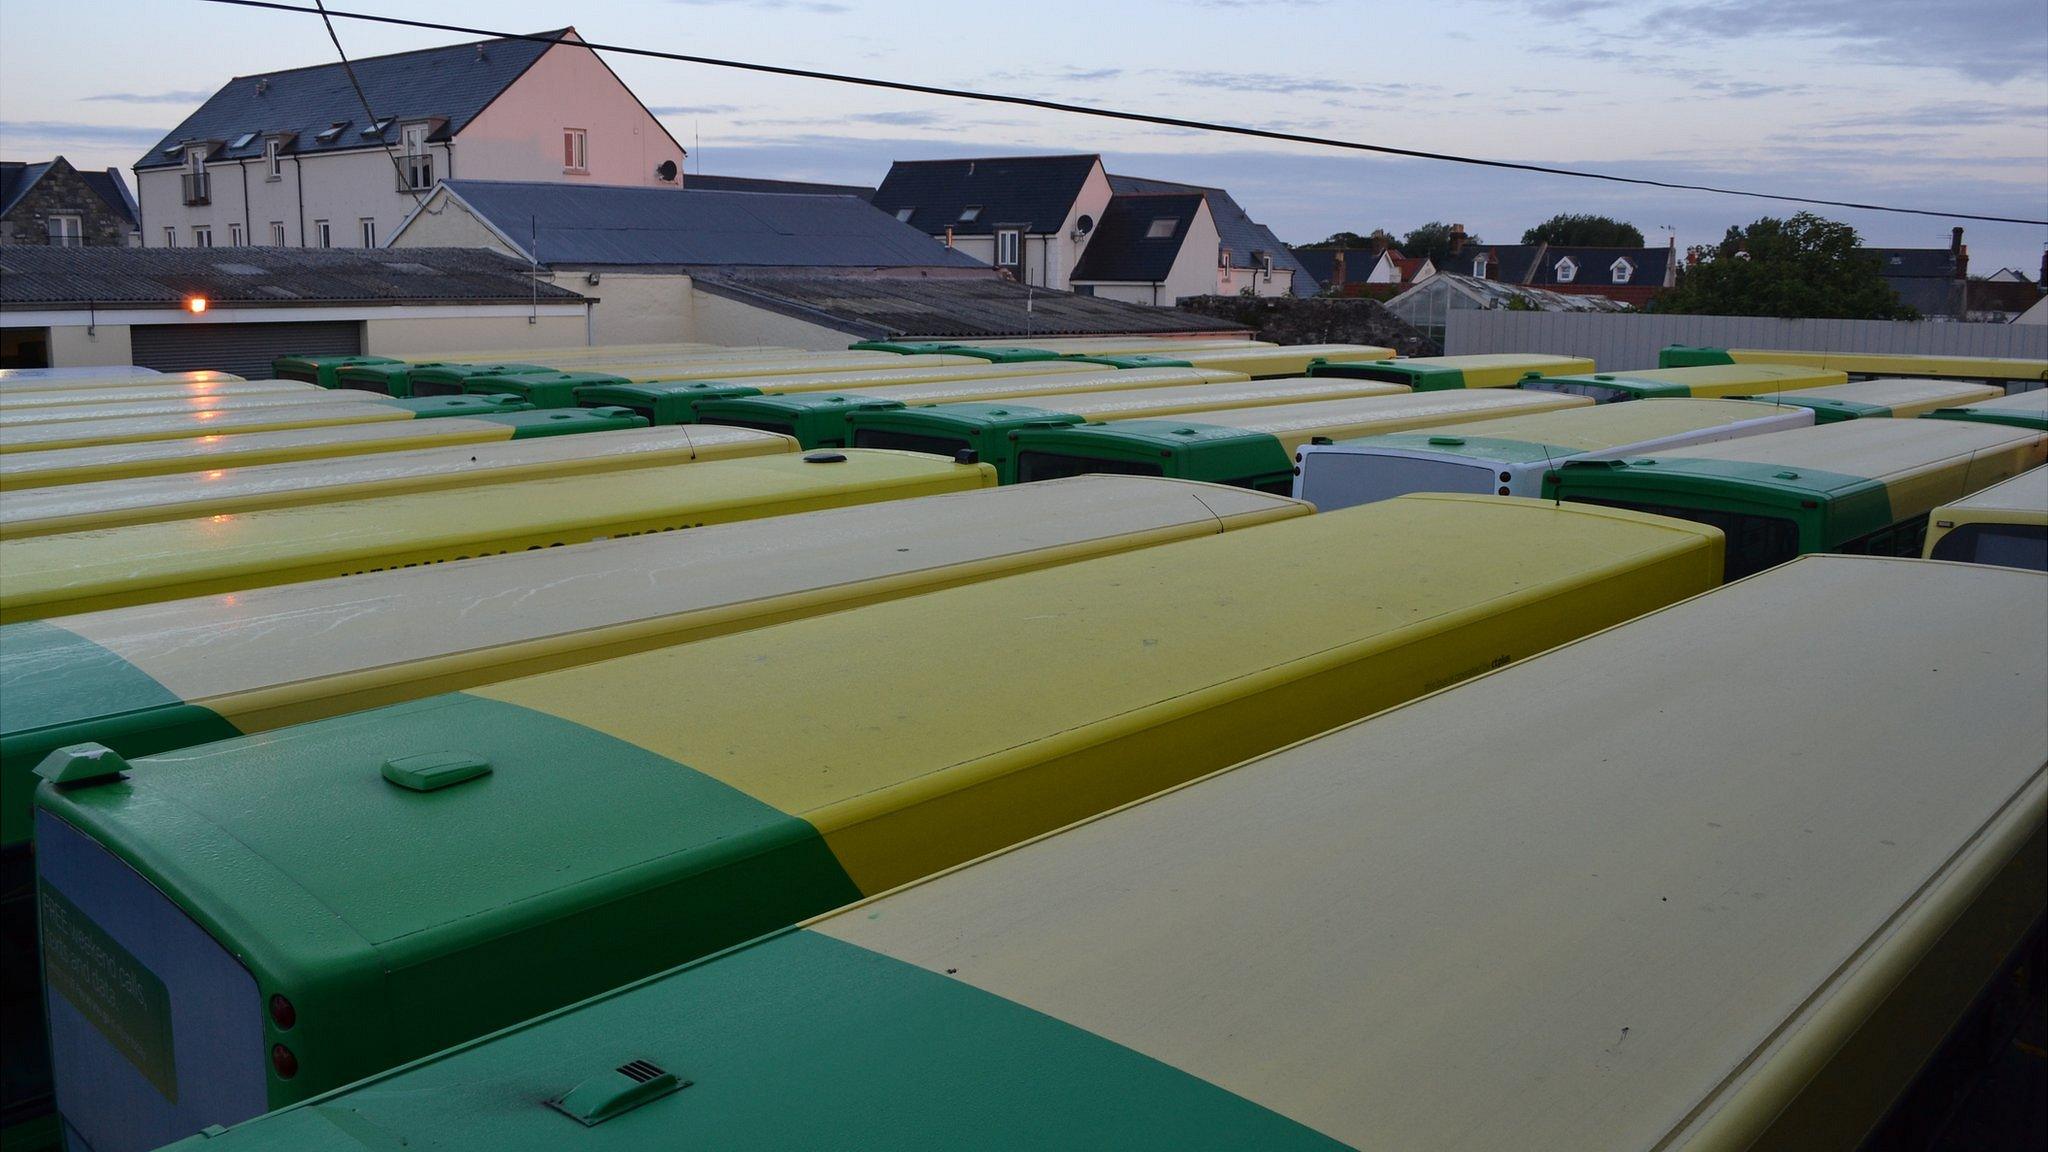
{"x":1085,"y":224}
{"x":667,"y":170}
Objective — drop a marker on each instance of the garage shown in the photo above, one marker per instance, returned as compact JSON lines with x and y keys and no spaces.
{"x":243,"y":349}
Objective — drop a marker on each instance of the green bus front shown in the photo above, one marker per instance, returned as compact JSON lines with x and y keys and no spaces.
{"x":987,"y":429}
{"x":664,"y":401}
{"x":543,"y":389}
{"x":1182,"y":451}
{"x":454,"y":379}
{"x":322,"y":370}
{"x":815,"y":419}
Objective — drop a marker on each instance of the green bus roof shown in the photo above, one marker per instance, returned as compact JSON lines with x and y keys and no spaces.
{"x":816,"y":419}
{"x":2020,"y":410}
{"x":1434,"y":373}
{"x":985,"y":428}
{"x":321,"y":370}
{"x":1187,"y":450}
{"x":541,"y":389}
{"x":1691,"y":356}
{"x":567,"y":421}
{"x":469,"y":404}
{"x":1134,"y":360}
{"x":390,"y":377}
{"x":662,"y":402}
{"x":444,"y":379}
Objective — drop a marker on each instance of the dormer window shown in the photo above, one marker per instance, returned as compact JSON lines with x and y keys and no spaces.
{"x":1162,"y":228}
{"x":1621,"y":270}
{"x":970,"y":214}
{"x":1479,"y":267}
{"x":273,"y":158}
{"x":904,"y":214}
{"x":1566,"y":270}
{"x":242,"y":141}
{"x":1226,"y":260}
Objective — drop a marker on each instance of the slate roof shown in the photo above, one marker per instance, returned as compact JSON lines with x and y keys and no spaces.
{"x":1240,"y":234}
{"x":454,"y":82}
{"x":705,"y":183}
{"x":1925,"y":278}
{"x":16,"y":178}
{"x":49,"y":277}
{"x":1511,"y":263}
{"x":585,"y":225}
{"x":1596,"y":265}
{"x":1034,"y":193}
{"x":949,"y":306}
{"x":1121,"y":251}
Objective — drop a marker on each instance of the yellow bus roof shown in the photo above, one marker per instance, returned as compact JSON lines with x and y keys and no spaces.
{"x":1098,"y":379}
{"x":1905,"y":396}
{"x":16,"y":401}
{"x":1291,"y":360}
{"x":179,"y":406}
{"x":1886,"y":450}
{"x":1135,"y":403}
{"x":284,"y":655}
{"x":864,"y":378}
{"x":2035,"y":401}
{"x":1604,"y":426}
{"x":1295,"y":424}
{"x":1577,"y":903}
{"x":146,"y":563}
{"x":115,"y":378}
{"x":2020,"y":500}
{"x":183,"y":495}
{"x":1717,"y":380}
{"x":583,"y":353}
{"x":802,"y":364}
{"x":242,"y":449}
{"x":1128,"y":644}
{"x":1903,"y":364}
{"x":1115,"y":345}
{"x":187,"y":425}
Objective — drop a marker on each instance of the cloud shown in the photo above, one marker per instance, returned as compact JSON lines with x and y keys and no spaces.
{"x":904,"y":119}
{"x":1277,"y":83}
{"x":816,"y":7}
{"x":1745,"y":89}
{"x":1950,"y":114}
{"x":1093,"y":73}
{"x":1988,"y":39}
{"x":179,"y":96}
{"x":62,"y":132}
{"x":694,"y":109}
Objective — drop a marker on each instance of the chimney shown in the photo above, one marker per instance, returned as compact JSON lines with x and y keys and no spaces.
{"x":949,"y":235}
{"x":1457,"y":239}
{"x":1337,"y":267}
{"x":1960,"y":252}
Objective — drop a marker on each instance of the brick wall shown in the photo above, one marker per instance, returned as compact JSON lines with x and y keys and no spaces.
{"x":62,"y":191}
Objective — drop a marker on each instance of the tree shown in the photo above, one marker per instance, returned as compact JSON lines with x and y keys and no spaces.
{"x":1432,"y":240}
{"x":1803,"y":267}
{"x":1352,"y":241}
{"x":1589,"y":231}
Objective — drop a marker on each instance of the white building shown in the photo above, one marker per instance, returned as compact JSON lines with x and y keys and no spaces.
{"x":291,"y":159}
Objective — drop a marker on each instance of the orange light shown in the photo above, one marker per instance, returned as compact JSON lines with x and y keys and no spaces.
{"x":196,"y":305}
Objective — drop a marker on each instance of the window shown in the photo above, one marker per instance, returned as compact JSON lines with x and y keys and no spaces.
{"x":202,"y":236}
{"x":1566,"y":270}
{"x":1479,"y":267}
{"x":235,"y":238}
{"x":1162,"y":229}
{"x":66,"y":231}
{"x":273,"y":159}
{"x":2008,"y":545}
{"x":170,"y":237}
{"x":970,"y":214}
{"x":277,"y":233}
{"x":575,"y":150}
{"x":242,"y":141}
{"x":323,"y":234}
{"x":1006,"y":247}
{"x":416,"y":171}
{"x":1621,"y":270}
{"x":904,"y":214}
{"x":332,"y":132}
{"x":371,"y":131}
{"x":1226,"y":262}
{"x":369,"y":230}
{"x":196,"y":186}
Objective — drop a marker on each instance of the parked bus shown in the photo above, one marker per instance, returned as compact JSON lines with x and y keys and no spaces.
{"x":147,"y":563}
{"x":65,"y":379}
{"x":1896,"y":397}
{"x":1124,"y":345}
{"x":320,"y":370}
{"x":231,"y":491}
{"x":2014,"y":375}
{"x":985,"y":428}
{"x":17,"y":401}
{"x":2020,"y":409}
{"x":1577,"y":903}
{"x":1430,"y":373}
{"x":1705,"y":382}
{"x":675,"y":401}
{"x":183,"y":406}
{"x":2004,"y":524}
{"x":528,"y":833}
{"x":1253,"y":447}
{"x":399,"y":380}
{"x":1259,"y":363}
{"x":1862,"y":486}
{"x":190,"y":425}
{"x":20,"y":470}
{"x":455,"y":379}
{"x":1509,"y":456}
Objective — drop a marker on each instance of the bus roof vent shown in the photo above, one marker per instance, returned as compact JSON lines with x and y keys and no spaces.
{"x":616,"y":1092}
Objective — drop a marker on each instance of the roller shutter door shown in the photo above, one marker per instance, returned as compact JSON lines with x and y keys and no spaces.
{"x":243,"y":349}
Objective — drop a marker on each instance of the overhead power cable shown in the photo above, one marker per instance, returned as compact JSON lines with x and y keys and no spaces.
{"x":374,"y":124}
{"x":1130,"y":117}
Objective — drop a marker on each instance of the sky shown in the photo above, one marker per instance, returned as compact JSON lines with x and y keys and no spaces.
{"x":1902,"y":102}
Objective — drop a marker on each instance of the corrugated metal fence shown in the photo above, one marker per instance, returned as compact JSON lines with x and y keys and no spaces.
{"x":1623,"y":342}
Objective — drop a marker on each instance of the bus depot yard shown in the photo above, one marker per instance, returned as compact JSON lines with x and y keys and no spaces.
{"x":1137,"y":743}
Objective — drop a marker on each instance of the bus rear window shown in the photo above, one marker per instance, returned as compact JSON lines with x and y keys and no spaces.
{"x":436,"y":388}
{"x":1600,"y":393}
{"x":2006,"y":545}
{"x":1056,"y":465}
{"x":1754,"y":542}
{"x":909,"y":441}
{"x":757,"y":425}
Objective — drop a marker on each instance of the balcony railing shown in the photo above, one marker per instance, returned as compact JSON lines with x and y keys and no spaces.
{"x":198,"y":188}
{"x":416,"y":172}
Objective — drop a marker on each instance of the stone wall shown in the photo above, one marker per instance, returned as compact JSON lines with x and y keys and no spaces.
{"x":1316,"y":320}
{"x":62,"y":191}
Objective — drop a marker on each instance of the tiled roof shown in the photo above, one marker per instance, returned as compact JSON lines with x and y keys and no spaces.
{"x":1123,"y":249}
{"x":615,"y":225}
{"x":704,"y":183}
{"x":112,"y":187}
{"x":452,"y":83}
{"x":1595,"y":265}
{"x":143,"y":277}
{"x":1240,"y":234}
{"x":949,"y":306}
{"x":16,"y":178}
{"x":1494,"y":294}
{"x":1034,"y":193}
{"x":1901,"y":262}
